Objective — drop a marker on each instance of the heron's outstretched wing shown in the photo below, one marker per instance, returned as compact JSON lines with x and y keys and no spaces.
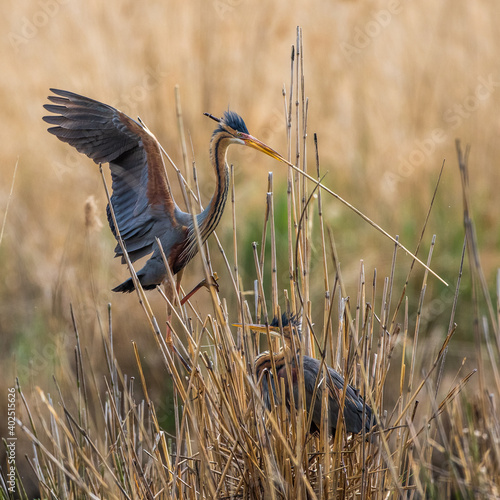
{"x":141,"y":195}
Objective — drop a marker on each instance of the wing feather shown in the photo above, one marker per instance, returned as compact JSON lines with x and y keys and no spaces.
{"x":141,"y":195}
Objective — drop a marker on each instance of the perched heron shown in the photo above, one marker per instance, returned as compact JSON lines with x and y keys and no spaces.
{"x":356,"y":411}
{"x":142,"y":201}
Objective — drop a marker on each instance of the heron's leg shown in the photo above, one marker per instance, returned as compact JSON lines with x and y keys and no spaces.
{"x":203,"y":283}
{"x":178,"y":278}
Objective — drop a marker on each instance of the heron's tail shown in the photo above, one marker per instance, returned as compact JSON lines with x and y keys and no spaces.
{"x":125,"y":287}
{"x":128,"y":287}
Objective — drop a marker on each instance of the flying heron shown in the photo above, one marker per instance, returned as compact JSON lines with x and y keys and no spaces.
{"x":142,"y":201}
{"x":356,"y":412}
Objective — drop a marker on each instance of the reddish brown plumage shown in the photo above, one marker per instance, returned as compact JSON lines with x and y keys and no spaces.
{"x":158,"y":190}
{"x":175,"y":258}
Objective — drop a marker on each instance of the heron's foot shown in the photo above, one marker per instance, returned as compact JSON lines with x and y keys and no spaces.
{"x":212,"y":281}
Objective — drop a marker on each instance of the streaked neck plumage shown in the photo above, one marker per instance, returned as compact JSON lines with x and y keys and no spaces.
{"x":210,"y":216}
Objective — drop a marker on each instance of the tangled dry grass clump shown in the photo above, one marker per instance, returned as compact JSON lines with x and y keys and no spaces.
{"x":104,"y":439}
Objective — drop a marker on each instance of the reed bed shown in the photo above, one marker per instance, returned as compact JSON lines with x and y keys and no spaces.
{"x":433,"y":439}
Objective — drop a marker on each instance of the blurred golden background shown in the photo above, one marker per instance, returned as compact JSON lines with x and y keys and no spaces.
{"x":391,"y":85}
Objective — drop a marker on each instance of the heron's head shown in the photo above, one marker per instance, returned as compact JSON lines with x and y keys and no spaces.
{"x":292,"y":327}
{"x":233,"y":127}
{"x":291,"y":324}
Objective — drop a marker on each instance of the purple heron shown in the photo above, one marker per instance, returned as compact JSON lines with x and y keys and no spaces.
{"x":356,"y":412}
{"x":142,"y":201}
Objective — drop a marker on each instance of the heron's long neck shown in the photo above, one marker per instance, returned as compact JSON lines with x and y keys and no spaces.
{"x":263,"y":361}
{"x":209,"y":218}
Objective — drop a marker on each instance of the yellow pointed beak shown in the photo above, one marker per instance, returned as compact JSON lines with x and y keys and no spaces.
{"x":273,"y":330}
{"x":263,"y":148}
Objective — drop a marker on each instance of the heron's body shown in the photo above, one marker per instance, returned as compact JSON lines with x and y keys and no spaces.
{"x":354,"y":405}
{"x":356,"y":411}
{"x":142,"y":201}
